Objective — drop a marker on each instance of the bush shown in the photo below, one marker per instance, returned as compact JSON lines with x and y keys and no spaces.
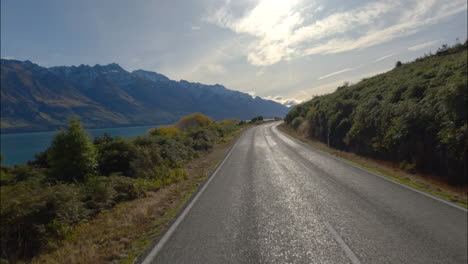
{"x":32,"y":215}
{"x":101,"y":193}
{"x":40,"y":160}
{"x":98,"y":194}
{"x":6,"y":177}
{"x":203,"y":139}
{"x":193,"y":120}
{"x":20,"y":172}
{"x":297,"y":122}
{"x":146,"y":160}
{"x":116,"y":156}
{"x":256,"y":119}
{"x":167,"y":131}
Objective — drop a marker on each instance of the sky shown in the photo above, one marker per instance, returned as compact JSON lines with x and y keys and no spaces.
{"x":288,"y":51}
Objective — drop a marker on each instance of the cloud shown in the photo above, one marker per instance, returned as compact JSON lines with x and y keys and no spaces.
{"x":214,"y":68}
{"x":8,"y":58}
{"x":194,"y":28}
{"x":385,"y":57}
{"x":423,"y":45}
{"x":412,"y":21}
{"x":260,"y":73}
{"x":270,"y":21}
{"x":335,"y":73}
{"x":285,"y":101}
{"x":342,"y":22}
{"x":286,"y":29}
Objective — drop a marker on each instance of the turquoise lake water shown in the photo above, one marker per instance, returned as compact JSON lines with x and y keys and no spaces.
{"x":20,"y":147}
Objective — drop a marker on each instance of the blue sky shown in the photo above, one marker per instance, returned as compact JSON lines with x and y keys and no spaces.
{"x":270,"y":48}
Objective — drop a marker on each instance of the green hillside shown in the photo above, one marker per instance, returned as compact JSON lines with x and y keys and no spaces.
{"x":415,"y":114}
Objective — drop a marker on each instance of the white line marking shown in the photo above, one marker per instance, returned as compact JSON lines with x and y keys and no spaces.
{"x":154,"y":252}
{"x":371,"y":172}
{"x":354,"y":259}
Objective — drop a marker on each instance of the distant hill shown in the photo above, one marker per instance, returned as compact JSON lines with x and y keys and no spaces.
{"x":36,"y":98}
{"x":415,"y":114}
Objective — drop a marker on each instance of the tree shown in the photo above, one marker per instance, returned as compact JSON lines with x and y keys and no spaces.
{"x":72,"y":154}
{"x":105,"y":138}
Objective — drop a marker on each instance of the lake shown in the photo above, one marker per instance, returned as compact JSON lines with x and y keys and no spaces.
{"x":18,"y":148}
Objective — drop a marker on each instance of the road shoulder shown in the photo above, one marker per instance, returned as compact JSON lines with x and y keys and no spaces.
{"x":388,"y":170}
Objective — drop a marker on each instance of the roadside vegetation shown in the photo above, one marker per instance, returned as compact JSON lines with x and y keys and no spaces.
{"x":391,"y":170}
{"x":414,"y":116}
{"x":77,"y":181}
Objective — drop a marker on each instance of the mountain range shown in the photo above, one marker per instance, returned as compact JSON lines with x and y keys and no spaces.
{"x":36,"y":98}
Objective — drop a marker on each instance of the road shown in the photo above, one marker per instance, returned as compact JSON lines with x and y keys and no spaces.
{"x":275,"y":200}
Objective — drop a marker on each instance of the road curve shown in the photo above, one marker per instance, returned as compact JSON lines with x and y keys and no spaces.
{"x":274,"y":200}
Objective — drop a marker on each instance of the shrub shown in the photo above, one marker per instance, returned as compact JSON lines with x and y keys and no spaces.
{"x":101,"y":193}
{"x":256,"y":119}
{"x":32,"y":215}
{"x":98,"y":193}
{"x":174,"y":152}
{"x":116,"y":156}
{"x":125,"y":189}
{"x":167,"y":131}
{"x":203,"y":139}
{"x":193,"y":120}
{"x":297,"y":121}
{"x":40,"y":160}
{"x":6,"y":177}
{"x":146,"y":159}
{"x":23,"y":172}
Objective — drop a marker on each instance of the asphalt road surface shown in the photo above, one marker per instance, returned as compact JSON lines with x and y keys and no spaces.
{"x":275,"y":200}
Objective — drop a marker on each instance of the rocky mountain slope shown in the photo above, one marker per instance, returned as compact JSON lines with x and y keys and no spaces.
{"x":36,"y":98}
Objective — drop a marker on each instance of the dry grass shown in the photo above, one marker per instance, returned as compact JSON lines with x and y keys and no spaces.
{"x":122,"y":233}
{"x":424,"y":182}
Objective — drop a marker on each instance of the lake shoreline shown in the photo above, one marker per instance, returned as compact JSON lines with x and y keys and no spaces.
{"x":19,"y":148}
{"x":8,"y":131}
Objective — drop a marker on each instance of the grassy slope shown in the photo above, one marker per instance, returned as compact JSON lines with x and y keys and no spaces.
{"x":122,"y":233}
{"x":414,"y":115}
{"x":390,"y":170}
